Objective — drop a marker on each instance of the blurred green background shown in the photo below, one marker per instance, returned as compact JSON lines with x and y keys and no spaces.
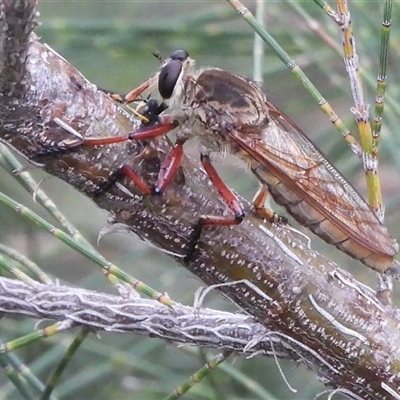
{"x":111,"y":42}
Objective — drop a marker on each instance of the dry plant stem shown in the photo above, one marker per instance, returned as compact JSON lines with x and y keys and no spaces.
{"x":109,"y":313}
{"x":337,"y":325}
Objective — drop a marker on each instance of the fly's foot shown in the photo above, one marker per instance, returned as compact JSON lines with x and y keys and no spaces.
{"x":209,"y":221}
{"x":63,"y":147}
{"x":270,"y":216}
{"x":193,"y":240}
{"x":103,"y":188}
{"x":279,"y":219}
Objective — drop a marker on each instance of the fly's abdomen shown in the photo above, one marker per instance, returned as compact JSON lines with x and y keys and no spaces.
{"x":323,"y":226}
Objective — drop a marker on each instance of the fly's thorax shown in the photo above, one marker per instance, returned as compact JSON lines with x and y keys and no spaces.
{"x":193,"y":124}
{"x":213,"y":102}
{"x":233,"y":98}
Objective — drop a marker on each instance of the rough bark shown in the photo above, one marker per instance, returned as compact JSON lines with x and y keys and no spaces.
{"x":328,"y":320}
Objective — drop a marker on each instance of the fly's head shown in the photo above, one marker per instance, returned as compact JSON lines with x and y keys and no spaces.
{"x":173,"y":75}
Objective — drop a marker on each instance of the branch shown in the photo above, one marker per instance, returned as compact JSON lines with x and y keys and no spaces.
{"x":335,"y":323}
{"x":105,"y":312}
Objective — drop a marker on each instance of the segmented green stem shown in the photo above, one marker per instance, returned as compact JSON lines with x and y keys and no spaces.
{"x":382,"y":77}
{"x":258,"y":48}
{"x":34,"y":336}
{"x":361,"y":111}
{"x":22,"y":377}
{"x":108,"y":268}
{"x":16,"y":379}
{"x":199,"y":375}
{"x":9,"y":162}
{"x":25,"y":262}
{"x":69,"y":353}
{"x":328,"y":10}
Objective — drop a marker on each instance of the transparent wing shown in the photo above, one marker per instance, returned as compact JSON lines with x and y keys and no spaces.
{"x":289,"y":155}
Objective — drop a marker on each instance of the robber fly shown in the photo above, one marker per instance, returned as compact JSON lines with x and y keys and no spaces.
{"x":230,"y":113}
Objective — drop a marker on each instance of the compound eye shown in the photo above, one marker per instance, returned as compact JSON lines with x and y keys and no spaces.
{"x":180,"y":55}
{"x":168,"y":77}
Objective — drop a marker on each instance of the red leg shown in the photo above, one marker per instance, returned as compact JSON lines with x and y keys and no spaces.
{"x":144,"y":133}
{"x":171,"y":163}
{"x":136,"y":179}
{"x":223,"y":190}
{"x":131,"y":96}
{"x":167,"y":172}
{"x":131,"y":174}
{"x":169,"y":167}
{"x":229,"y":198}
{"x":135,"y":93}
